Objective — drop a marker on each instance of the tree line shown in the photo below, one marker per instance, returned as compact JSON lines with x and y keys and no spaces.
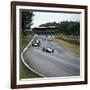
{"x":65,"y":27}
{"x":26,"y":21}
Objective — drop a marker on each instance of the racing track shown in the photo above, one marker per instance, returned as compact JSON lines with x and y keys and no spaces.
{"x":57,"y":64}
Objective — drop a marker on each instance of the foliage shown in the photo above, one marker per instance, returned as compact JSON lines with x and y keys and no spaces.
{"x":65,"y":27}
{"x":26,"y":19}
{"x":48,"y":24}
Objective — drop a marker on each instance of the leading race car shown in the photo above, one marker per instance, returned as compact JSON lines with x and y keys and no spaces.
{"x":48,"y":49}
{"x":36,"y":43}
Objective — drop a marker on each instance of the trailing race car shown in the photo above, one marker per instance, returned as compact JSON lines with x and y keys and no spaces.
{"x":49,"y":38}
{"x":48,"y":49}
{"x":43,"y":38}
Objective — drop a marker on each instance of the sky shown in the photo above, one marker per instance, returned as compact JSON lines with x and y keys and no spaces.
{"x":44,"y":17}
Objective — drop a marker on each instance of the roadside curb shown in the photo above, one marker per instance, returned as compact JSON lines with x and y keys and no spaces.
{"x":24,"y":60}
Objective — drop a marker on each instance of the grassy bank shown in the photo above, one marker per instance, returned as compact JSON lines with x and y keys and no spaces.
{"x":24,"y":71}
{"x":25,"y":40}
{"x":74,"y":41}
{"x":27,"y":73}
{"x":70,"y":44}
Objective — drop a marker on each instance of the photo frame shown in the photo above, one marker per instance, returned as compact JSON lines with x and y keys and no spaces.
{"x":48,"y":44}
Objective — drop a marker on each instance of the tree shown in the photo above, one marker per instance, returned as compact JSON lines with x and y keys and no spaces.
{"x":26,"y":21}
{"x":48,"y":24}
{"x":65,"y":27}
{"x":75,"y":29}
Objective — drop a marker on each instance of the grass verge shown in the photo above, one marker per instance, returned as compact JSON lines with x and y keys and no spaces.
{"x":72,"y":45}
{"x":70,"y":40}
{"x":24,"y":71}
{"x":25,"y":40}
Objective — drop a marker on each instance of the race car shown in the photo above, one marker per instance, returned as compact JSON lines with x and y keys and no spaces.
{"x":48,"y":49}
{"x":36,"y":43}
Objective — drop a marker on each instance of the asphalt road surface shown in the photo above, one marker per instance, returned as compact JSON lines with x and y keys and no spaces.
{"x":60,"y":63}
